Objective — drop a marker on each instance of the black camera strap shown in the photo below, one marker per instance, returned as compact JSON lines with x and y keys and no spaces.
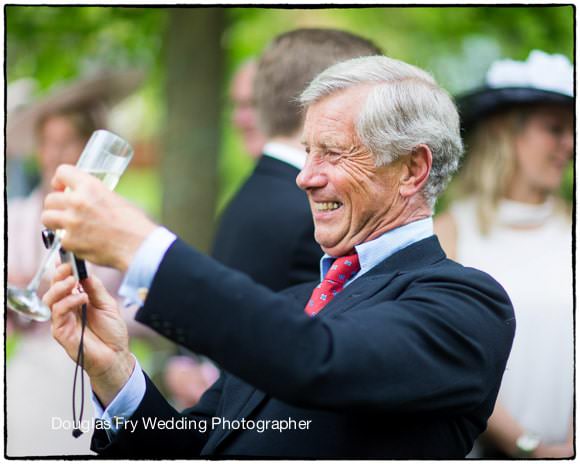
{"x":80,"y":364}
{"x":80,"y":271}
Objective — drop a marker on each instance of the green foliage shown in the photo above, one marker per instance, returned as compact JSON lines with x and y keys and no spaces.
{"x":567,"y":187}
{"x":55,"y":43}
{"x":456,"y":43}
{"x":426,"y":36}
{"x":142,"y":187}
{"x":12,"y":341}
{"x":68,"y":41}
{"x":143,"y":352}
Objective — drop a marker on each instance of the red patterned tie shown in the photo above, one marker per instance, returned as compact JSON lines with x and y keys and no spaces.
{"x":339,"y":273}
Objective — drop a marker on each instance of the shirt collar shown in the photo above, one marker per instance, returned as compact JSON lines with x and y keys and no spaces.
{"x":285,"y":153}
{"x":375,"y":251}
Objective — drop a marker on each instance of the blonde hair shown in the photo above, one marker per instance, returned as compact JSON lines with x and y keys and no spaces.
{"x":490,"y":163}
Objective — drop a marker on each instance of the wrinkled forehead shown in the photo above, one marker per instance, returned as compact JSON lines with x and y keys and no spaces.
{"x":334,"y":116}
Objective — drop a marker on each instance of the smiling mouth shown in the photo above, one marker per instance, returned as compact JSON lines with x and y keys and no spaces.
{"x":327,"y":206}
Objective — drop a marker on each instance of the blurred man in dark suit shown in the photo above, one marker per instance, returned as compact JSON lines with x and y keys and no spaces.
{"x":398,"y":352}
{"x":269,"y":217}
{"x":187,"y":376}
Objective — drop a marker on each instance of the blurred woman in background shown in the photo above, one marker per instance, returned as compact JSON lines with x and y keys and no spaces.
{"x":61,"y":136}
{"x":510,"y":222}
{"x":39,"y":374}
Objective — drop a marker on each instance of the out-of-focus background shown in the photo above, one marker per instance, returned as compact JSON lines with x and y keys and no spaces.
{"x":189,"y":160}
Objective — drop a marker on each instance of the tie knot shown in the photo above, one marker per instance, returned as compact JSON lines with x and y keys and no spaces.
{"x":340,"y":272}
{"x":343,"y":269}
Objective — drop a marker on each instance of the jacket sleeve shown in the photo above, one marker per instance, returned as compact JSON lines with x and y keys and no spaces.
{"x":157,"y":430}
{"x":441,"y":344}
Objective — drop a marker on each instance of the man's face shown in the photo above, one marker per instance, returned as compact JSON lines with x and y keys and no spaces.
{"x":352,"y":200}
{"x":244,"y":114}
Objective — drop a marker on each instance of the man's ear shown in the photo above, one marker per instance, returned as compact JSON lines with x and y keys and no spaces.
{"x":416,"y":171}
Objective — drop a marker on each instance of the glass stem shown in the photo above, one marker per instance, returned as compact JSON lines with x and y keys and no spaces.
{"x":46,"y":262}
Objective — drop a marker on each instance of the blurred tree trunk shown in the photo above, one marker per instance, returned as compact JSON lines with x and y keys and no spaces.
{"x":191,"y":139}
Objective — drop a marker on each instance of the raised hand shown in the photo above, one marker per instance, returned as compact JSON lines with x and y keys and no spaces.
{"x":107,"y":359}
{"x":100,"y":226}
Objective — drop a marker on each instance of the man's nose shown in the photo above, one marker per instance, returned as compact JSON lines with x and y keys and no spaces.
{"x":312,"y":175}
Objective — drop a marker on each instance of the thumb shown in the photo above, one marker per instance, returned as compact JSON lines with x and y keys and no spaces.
{"x":97,"y":293}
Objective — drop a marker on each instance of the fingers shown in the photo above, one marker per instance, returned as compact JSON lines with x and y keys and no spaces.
{"x":60,"y":209}
{"x":61,"y":301}
{"x":62,"y":272}
{"x":62,"y":309}
{"x":57,"y":200}
{"x":55,"y":219}
{"x":59,"y":290}
{"x":68,"y":176}
{"x":97,"y":293}
{"x":63,"y":283}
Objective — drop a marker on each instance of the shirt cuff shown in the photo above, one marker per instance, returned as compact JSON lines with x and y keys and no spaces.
{"x":144,"y":265}
{"x":124,"y":404}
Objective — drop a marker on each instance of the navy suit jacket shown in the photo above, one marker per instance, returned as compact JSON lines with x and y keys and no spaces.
{"x":267,"y":231}
{"x":406,"y":362}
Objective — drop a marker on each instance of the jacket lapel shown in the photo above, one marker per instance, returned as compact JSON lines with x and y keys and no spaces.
{"x":417,"y":255}
{"x":360,"y":290}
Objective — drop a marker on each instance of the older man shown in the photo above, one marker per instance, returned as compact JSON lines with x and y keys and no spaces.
{"x":269,"y":216}
{"x":397,"y":353}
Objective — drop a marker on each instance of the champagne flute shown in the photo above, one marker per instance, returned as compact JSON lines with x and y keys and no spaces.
{"x":106,"y":156}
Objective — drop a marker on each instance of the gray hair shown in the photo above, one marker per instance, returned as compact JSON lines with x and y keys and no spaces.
{"x":405,"y":108}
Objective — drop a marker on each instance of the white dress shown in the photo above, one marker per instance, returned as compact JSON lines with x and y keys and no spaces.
{"x":534,"y":265}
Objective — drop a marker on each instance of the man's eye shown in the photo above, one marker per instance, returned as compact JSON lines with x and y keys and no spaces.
{"x":333,"y":154}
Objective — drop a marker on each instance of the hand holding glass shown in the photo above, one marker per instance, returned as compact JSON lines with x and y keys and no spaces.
{"x":106,"y":156}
